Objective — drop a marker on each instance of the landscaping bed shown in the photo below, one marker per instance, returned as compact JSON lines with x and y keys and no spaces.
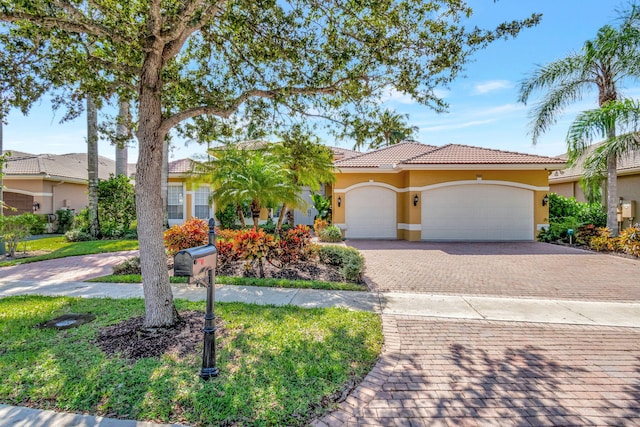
{"x":278,"y":365}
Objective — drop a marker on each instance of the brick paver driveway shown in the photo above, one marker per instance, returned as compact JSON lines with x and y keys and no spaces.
{"x":524,"y":269}
{"x":437,"y":371}
{"x":478,"y":373}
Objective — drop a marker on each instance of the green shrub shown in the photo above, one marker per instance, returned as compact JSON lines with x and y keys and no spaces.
{"x":227,"y":217}
{"x":65,"y":219}
{"x":37,"y":223}
{"x":557,"y":230}
{"x":330,"y":234}
{"x":77,"y":236}
{"x":116,"y":205}
{"x":349,"y":261}
{"x":128,"y":266}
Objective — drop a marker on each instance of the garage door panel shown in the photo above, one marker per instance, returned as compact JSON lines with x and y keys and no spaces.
{"x":477,"y":212}
{"x":370,"y":213}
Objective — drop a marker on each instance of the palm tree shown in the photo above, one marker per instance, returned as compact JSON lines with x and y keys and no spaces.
{"x":602,"y":63}
{"x":92,"y":166}
{"x":310,"y":162}
{"x":594,"y":125}
{"x":247,"y":176}
{"x":389,"y":128}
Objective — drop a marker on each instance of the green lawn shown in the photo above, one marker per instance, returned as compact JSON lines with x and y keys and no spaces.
{"x":245,"y":281}
{"x":276,"y":363}
{"x":58,"y":247}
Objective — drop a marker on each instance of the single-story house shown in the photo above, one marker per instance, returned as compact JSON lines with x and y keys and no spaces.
{"x":44,"y":183}
{"x":415,"y":192}
{"x":566,"y":182}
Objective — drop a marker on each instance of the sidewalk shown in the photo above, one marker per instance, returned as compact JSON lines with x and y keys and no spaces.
{"x":443,"y":306}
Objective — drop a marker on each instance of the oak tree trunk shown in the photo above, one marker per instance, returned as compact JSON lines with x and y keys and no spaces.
{"x":158,"y":298}
{"x":165,"y":184}
{"x":92,"y":166}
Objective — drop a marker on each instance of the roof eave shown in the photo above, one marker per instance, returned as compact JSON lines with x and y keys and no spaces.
{"x":484,"y":166}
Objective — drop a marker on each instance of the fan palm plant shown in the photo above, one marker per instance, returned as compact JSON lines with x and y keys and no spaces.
{"x":601,"y":64}
{"x":257,"y":178}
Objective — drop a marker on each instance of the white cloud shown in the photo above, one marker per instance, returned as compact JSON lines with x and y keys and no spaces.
{"x":393,"y":95}
{"x":502,"y":109}
{"x":456,"y":125}
{"x":491,"y":86}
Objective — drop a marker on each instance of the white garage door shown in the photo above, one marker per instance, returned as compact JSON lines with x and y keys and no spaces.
{"x":477,"y":212}
{"x":371,"y":213}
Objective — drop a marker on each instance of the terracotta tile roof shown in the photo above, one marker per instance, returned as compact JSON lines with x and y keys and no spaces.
{"x":340,"y":153}
{"x":391,"y":155}
{"x":180,"y":166}
{"x":465,"y":154}
{"x":70,"y":166}
{"x":626,"y":164}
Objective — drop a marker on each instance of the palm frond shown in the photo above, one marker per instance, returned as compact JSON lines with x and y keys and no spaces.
{"x":556,"y":73}
{"x":545,"y":113}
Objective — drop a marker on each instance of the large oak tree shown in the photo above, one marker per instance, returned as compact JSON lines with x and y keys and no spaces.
{"x":261,"y":59}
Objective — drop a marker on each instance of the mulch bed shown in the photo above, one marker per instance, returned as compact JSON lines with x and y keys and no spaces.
{"x":297,"y":271}
{"x":131,"y":340}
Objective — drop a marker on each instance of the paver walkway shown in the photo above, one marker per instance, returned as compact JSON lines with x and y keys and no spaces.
{"x":70,"y":269}
{"x":521,"y":270}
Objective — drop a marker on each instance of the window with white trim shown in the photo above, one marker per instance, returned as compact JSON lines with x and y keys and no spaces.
{"x":175,"y":202}
{"x":201,"y":203}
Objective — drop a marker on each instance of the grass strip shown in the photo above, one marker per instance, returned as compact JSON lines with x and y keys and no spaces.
{"x":276,"y":363}
{"x":60,"y":248}
{"x":244,"y":281}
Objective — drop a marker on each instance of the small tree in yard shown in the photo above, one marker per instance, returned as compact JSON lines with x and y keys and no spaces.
{"x":266,"y":61}
{"x":116,"y":205}
{"x":15,"y":229}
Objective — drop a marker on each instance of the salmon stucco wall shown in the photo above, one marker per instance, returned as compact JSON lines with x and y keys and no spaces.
{"x":50,"y":195}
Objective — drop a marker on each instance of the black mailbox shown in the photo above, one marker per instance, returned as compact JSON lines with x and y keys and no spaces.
{"x":195,"y":262}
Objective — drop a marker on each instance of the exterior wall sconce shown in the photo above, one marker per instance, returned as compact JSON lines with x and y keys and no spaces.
{"x":36,"y":206}
{"x":545,"y":200}
{"x":415,"y":200}
{"x":339,"y":201}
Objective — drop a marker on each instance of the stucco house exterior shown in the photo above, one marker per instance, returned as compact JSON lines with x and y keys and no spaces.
{"x":413,"y":191}
{"x":44,"y":183}
{"x":566,"y":182}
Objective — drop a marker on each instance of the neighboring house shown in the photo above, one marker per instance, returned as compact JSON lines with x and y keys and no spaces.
{"x":413,"y":191}
{"x":44,"y":183}
{"x":566,"y":182}
{"x":187,"y":199}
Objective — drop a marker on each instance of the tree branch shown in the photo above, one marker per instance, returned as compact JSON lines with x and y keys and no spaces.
{"x":226,"y":112}
{"x":50,"y":22}
{"x":179,"y":35}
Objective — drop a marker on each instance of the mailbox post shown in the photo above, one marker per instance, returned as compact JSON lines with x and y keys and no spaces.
{"x":200,"y":263}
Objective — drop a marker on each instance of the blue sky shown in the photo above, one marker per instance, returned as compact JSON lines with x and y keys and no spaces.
{"x":483,"y":105}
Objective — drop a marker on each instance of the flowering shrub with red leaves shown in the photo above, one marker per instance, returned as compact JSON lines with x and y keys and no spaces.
{"x":226,"y":253}
{"x":294,"y":245}
{"x":193,"y":232}
{"x":253,"y":246}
